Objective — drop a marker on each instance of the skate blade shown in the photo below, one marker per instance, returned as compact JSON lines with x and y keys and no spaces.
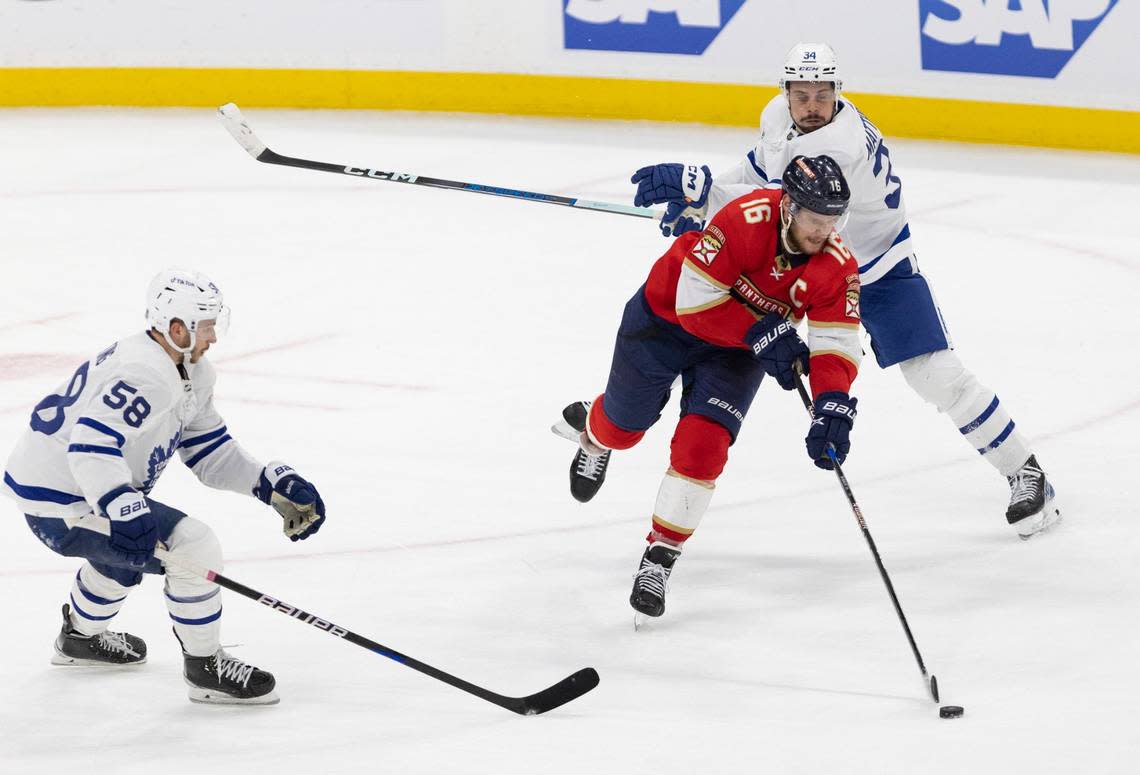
{"x":214,"y":697}
{"x":66,"y":661}
{"x":1041,"y":522}
{"x":1050,"y":518}
{"x":639,"y":621}
{"x":566,"y":431}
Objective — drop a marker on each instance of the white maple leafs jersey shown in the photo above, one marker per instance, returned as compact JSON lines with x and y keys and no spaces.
{"x":876,"y":231}
{"x":117,"y":421}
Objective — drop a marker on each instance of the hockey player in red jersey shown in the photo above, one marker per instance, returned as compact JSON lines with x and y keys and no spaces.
{"x":720,"y":309}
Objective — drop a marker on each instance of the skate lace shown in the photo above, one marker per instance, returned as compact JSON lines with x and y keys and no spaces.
{"x":232,"y":668}
{"x":115,"y":643}
{"x":1025,"y":485}
{"x":652,"y":577}
{"x":592,"y":466}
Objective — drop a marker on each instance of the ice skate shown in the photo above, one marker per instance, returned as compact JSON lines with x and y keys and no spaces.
{"x":651,"y":580}
{"x":107,"y":649}
{"x":1032,"y":508}
{"x":225,"y":680}
{"x":587,"y":470}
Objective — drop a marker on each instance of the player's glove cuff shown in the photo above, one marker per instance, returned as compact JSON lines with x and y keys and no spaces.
{"x":294,"y":498}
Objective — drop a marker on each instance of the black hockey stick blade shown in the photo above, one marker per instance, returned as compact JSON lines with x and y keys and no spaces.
{"x":933,"y":688}
{"x":569,"y":688}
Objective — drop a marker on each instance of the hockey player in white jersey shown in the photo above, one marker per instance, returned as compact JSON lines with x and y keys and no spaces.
{"x":811,"y":117}
{"x":94,"y":449}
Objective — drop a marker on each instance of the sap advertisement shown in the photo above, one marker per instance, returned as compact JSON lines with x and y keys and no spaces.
{"x":1037,"y":51}
{"x":1055,"y":52}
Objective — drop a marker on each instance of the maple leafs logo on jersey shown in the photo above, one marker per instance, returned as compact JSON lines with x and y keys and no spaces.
{"x":707,"y":249}
{"x":156,"y":463}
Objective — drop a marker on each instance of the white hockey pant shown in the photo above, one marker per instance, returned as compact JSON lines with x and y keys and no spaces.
{"x":942,"y":380}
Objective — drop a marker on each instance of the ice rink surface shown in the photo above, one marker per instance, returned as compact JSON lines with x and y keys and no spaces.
{"x":407,"y":349}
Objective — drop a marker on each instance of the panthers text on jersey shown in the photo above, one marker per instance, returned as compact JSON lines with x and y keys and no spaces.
{"x":717,"y":283}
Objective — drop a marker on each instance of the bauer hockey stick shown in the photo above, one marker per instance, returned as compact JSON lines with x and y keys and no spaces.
{"x":237,"y":126}
{"x":569,"y":688}
{"x":930,"y":681}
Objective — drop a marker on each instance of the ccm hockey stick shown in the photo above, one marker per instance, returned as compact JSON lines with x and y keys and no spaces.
{"x":928,"y":680}
{"x":569,"y":688}
{"x":237,"y":126}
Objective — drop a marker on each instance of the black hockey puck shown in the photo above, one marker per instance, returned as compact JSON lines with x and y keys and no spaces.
{"x":951,"y":711}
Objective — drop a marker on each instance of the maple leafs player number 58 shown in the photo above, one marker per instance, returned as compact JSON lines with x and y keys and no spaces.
{"x":136,"y":411}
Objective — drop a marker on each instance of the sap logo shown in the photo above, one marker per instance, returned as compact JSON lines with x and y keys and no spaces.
{"x":1035,"y":38}
{"x":658,"y":26}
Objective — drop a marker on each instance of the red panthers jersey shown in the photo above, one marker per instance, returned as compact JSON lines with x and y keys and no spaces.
{"x":717,"y":283}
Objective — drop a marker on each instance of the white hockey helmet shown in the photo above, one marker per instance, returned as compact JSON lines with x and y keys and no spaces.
{"x":811,"y":62}
{"x":188,"y":296}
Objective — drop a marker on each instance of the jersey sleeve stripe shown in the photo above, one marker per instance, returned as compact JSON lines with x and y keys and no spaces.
{"x":31,"y":493}
{"x":205,"y":437}
{"x":817,"y":324}
{"x":203,"y":453}
{"x":94,"y":449}
{"x":120,"y":440}
{"x":702,"y":307}
{"x":752,"y":160}
{"x":692,"y":266}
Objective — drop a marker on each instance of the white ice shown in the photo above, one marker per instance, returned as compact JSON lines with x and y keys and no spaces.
{"x":407,"y":349}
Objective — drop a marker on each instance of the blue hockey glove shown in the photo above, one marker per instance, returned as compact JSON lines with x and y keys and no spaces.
{"x":834,"y":415}
{"x":680,"y":218}
{"x":685,"y":184}
{"x":134,"y":531}
{"x":294,"y":498}
{"x":778,"y":347}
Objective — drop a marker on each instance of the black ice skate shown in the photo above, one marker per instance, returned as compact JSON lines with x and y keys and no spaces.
{"x":1032,"y":509}
{"x":224,"y":680}
{"x":107,"y":649}
{"x":648,"y":596}
{"x":587,"y":472}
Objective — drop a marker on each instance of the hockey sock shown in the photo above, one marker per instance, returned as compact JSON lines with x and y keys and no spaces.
{"x":194,"y":604}
{"x":698,"y":453}
{"x":941,"y":379}
{"x":95,"y":599}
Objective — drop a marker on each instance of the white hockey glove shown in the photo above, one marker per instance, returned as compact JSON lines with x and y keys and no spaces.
{"x":294,"y":498}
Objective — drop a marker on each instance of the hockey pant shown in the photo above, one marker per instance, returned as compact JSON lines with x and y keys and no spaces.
{"x":101,"y":586}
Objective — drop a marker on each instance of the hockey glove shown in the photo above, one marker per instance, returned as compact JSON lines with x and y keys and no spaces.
{"x":133,"y":528}
{"x":295,"y":499}
{"x":681,"y":183}
{"x":833,"y":416}
{"x":680,"y":218}
{"x":778,"y":347}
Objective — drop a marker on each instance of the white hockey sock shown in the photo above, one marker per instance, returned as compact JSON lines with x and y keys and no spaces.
{"x":941,"y":379}
{"x":197,"y":614}
{"x":194,"y":604}
{"x":681,"y":502}
{"x":95,"y":599}
{"x":988,"y":428}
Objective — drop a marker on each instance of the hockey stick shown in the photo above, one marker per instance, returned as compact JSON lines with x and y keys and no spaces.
{"x":569,"y":688}
{"x":928,"y":680}
{"x":237,"y":126}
